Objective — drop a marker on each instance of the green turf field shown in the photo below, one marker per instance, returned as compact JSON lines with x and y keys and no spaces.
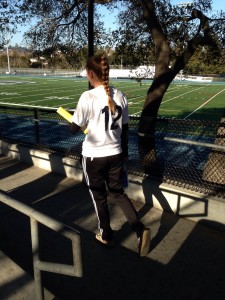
{"x":183,"y":100}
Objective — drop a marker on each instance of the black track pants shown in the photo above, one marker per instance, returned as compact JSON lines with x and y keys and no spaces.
{"x":98,"y":172}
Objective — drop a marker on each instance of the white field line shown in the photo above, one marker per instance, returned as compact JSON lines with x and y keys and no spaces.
{"x":175,"y":88}
{"x":126,"y":93}
{"x":44,"y":90}
{"x":182,"y":94}
{"x":65,"y":105}
{"x":204,"y":104}
{"x":173,"y":98}
{"x":47,"y":98}
{"x":56,"y":91}
{"x":35,"y":95}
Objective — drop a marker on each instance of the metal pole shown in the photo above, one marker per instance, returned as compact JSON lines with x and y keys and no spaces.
{"x":35,"y":249}
{"x":91,"y":24}
{"x":90,"y":27}
{"x":90,"y":31}
{"x":36,"y":124}
{"x":7,"y":49}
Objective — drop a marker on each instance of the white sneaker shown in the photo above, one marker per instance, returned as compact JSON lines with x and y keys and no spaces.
{"x":144,"y":242}
{"x":106,"y":243}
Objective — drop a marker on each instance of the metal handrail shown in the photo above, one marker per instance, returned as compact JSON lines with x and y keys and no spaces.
{"x":37,"y":217}
{"x":185,"y":141}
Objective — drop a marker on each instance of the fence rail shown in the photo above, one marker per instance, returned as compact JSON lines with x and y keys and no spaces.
{"x":37,"y":217}
{"x":189,"y":153}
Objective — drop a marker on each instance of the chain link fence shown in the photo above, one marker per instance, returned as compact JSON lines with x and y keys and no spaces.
{"x":185,"y":153}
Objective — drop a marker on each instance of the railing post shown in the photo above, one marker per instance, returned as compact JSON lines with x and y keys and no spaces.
{"x":36,"y":124}
{"x":35,"y":252}
{"x":37,"y":217}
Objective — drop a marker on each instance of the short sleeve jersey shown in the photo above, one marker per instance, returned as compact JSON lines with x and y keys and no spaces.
{"x":104,"y":129}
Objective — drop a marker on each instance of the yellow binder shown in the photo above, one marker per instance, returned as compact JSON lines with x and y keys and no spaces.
{"x":66,"y":115}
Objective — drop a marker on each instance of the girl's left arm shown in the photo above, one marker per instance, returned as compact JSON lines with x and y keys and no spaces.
{"x":74,"y":128}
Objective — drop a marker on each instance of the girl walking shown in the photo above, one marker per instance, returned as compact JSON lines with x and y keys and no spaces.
{"x":104,"y":110}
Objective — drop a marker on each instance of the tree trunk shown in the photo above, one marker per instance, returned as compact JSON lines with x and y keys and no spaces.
{"x":214,"y":170}
{"x":146,"y":130}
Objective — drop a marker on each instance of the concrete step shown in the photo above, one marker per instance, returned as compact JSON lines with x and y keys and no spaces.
{"x":185,"y":262}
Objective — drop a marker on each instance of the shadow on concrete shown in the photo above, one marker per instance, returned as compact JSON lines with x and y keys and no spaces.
{"x":8,"y":165}
{"x":186,"y":259}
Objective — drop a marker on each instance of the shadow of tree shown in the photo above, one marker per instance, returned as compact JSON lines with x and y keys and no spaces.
{"x":185,"y":261}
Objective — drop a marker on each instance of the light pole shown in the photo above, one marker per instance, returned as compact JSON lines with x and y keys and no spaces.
{"x":91,"y":24}
{"x":5,"y":20}
{"x":7,"y":51}
{"x":90,"y":28}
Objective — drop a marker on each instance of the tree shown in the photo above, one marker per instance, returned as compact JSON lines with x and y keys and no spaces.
{"x":213,"y":66}
{"x":149,"y":29}
{"x":173,"y":33}
{"x":54,"y":22}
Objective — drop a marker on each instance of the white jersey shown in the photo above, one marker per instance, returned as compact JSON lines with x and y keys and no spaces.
{"x":104,"y":129}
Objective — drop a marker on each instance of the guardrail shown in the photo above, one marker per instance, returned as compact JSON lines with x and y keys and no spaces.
{"x":189,"y":153}
{"x":38,"y":265}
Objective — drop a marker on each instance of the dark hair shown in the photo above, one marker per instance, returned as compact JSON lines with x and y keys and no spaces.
{"x":100,"y":66}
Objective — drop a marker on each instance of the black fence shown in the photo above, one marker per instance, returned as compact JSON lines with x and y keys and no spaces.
{"x":189,"y":153}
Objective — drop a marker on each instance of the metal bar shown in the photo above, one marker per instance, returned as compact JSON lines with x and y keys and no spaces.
{"x":36,"y":124}
{"x":183,"y":141}
{"x":40,"y":217}
{"x":35,"y":251}
{"x":73,"y":270}
{"x":90,"y":27}
{"x":90,"y":31}
{"x":208,"y":145}
{"x":55,"y":268}
{"x":7,"y":50}
{"x":77,"y":255}
{"x":3,"y":104}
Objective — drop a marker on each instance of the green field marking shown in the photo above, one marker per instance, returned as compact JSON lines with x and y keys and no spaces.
{"x":199,"y":101}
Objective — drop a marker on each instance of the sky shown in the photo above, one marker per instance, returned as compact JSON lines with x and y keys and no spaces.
{"x":110,"y":19}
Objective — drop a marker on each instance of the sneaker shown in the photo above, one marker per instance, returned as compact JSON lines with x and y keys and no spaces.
{"x":144,"y":242}
{"x":106,"y":243}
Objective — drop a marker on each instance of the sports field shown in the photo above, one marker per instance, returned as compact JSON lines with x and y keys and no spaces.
{"x":183,"y":100}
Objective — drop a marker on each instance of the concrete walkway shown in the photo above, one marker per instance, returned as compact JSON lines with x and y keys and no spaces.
{"x":186,"y":261}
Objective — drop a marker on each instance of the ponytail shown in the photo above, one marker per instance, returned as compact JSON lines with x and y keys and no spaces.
{"x":100,"y":66}
{"x":105,"y":79}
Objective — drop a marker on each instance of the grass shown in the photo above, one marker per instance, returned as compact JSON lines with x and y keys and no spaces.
{"x":182,"y":100}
